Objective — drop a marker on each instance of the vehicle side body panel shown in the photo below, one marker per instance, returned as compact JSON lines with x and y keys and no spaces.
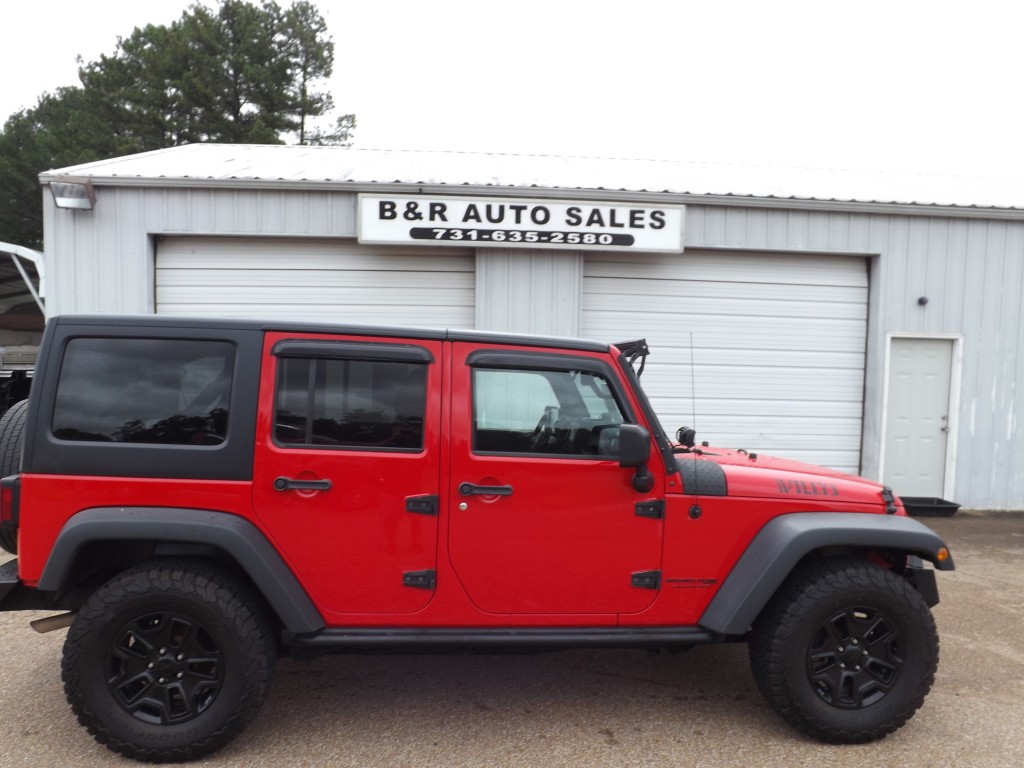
{"x":57,"y":499}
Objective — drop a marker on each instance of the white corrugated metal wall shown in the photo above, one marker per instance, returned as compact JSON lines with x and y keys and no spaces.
{"x":969,"y":263}
{"x":970,"y":266}
{"x":777,"y":358}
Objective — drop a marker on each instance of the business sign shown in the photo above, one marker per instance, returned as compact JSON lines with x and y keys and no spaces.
{"x":519,"y":222}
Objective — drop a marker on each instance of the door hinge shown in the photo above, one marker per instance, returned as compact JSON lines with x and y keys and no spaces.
{"x":646,"y":579}
{"x":421,"y":505}
{"x":652,"y":509}
{"x":419,"y":579}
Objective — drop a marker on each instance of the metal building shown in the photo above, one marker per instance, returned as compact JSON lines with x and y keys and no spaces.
{"x":866,"y":322}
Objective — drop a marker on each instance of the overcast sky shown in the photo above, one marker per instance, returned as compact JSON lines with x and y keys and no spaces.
{"x":929,"y":87}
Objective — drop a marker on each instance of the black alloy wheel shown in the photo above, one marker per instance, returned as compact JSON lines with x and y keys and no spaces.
{"x":845,"y":651}
{"x":164,"y":668}
{"x":855,"y":657}
{"x":170,"y":660}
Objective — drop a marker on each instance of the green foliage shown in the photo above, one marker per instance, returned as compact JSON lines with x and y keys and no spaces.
{"x":47,"y":136}
{"x":240,"y":74}
{"x":243,"y":75}
{"x":312,"y":62}
{"x":340,"y":134}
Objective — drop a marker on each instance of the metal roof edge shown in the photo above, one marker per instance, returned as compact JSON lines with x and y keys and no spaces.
{"x":859,"y":206}
{"x":81,"y":169}
{"x":597,"y":194}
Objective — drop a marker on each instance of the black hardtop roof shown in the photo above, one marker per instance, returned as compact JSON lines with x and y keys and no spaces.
{"x":286,"y":326}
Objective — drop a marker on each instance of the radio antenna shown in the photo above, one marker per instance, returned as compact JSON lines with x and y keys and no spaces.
{"x":693,"y":385}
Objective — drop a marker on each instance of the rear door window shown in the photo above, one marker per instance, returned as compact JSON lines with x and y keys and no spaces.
{"x":335,"y":403}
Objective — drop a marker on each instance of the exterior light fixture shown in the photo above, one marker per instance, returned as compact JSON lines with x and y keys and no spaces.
{"x":73,"y":192}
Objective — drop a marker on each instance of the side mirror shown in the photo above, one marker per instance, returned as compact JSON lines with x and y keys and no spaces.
{"x":634,"y":445}
{"x":634,"y":451}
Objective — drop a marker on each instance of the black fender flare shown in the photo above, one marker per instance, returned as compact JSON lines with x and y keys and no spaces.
{"x":236,"y":536}
{"x":786,"y":540}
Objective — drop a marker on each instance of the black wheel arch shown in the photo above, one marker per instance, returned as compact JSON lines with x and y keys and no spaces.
{"x":92,"y":535}
{"x":788,"y":540}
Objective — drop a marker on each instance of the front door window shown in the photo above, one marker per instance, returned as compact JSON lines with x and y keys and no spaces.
{"x":570,"y":413}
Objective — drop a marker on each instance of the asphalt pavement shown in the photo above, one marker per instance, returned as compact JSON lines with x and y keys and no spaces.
{"x":584,"y":708}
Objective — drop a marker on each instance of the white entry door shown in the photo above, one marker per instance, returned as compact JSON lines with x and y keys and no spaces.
{"x":917,"y":419}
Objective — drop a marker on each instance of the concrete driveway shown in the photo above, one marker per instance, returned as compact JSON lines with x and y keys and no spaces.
{"x":585,"y":708}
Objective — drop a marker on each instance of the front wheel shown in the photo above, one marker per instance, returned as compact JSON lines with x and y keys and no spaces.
{"x":169,"y":661}
{"x":846,"y":651}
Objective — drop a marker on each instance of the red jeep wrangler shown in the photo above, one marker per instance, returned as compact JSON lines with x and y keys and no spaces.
{"x":199,"y":495}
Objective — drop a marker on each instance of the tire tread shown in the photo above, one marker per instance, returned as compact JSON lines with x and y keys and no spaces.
{"x":213,"y":585}
{"x":771,"y":644}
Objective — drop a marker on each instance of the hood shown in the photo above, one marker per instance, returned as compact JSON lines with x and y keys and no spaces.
{"x":807,"y":485}
{"x":729,"y":457}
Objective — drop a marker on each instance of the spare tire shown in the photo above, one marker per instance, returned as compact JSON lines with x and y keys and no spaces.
{"x":12,"y":435}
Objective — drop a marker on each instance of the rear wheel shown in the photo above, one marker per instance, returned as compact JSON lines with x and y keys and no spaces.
{"x":169,"y":661}
{"x":12,"y":435}
{"x":846,"y":651}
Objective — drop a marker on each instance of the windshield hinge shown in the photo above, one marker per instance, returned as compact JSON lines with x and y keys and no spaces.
{"x":889,"y":499}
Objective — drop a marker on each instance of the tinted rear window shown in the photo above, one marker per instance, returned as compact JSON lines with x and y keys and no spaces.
{"x":160,"y":391}
{"x":350,"y":404}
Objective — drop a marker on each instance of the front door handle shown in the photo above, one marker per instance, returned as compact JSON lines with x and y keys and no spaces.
{"x":288,"y":484}
{"x":469,"y":489}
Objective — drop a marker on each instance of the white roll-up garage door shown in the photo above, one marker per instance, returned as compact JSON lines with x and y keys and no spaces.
{"x":321,"y":280}
{"x":778,"y":345}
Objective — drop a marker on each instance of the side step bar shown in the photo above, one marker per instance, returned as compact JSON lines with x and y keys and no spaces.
{"x":408,"y":640}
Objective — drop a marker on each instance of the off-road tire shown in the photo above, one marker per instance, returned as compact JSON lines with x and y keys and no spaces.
{"x":170,"y":660}
{"x":12,"y":435}
{"x":846,"y":651}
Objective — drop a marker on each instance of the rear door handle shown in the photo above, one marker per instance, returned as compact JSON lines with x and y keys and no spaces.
{"x":288,"y":484}
{"x":469,"y":489}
